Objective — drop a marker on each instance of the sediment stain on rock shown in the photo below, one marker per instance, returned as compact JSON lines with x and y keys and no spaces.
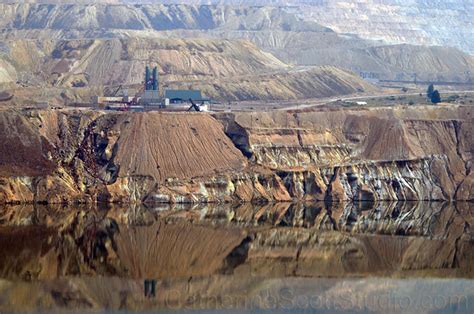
{"x":401,"y":153}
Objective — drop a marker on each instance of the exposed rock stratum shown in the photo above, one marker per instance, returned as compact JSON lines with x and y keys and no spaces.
{"x":400,"y":153}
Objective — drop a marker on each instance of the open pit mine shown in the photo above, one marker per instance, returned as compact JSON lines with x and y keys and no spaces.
{"x":119,"y":210}
{"x":222,"y":157}
{"x":403,"y":153}
{"x":135,"y":196}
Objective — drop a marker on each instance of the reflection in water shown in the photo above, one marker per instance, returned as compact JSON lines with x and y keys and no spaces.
{"x":185,"y":256}
{"x":253,"y":294}
{"x":431,"y":219}
{"x":149,"y":288}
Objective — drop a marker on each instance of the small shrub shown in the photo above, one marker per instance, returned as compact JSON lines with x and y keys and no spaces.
{"x":435,"y":97}
{"x":430,"y":91}
{"x":452,"y":98}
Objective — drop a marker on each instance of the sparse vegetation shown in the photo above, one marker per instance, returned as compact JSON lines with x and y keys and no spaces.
{"x":453,"y":98}
{"x":430,"y":91}
{"x":413,"y":100}
{"x":435,"y":97}
{"x":433,"y":94}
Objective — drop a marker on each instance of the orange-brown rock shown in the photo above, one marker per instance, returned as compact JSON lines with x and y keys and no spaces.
{"x":400,"y":153}
{"x":283,"y":239}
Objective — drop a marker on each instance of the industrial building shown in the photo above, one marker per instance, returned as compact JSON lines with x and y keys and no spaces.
{"x":180,"y":96}
{"x":149,"y":98}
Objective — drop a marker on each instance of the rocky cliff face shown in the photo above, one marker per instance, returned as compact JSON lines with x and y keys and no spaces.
{"x":162,"y":169}
{"x":417,"y":153}
{"x":361,"y":155}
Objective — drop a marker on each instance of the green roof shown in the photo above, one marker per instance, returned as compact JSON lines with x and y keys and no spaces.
{"x":183,"y":94}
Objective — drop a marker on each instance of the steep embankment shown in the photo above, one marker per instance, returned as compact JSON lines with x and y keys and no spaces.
{"x":363,"y":154}
{"x":445,"y":23}
{"x":385,"y":62}
{"x":317,"y":82}
{"x":416,"y":153}
{"x":223,"y":69}
{"x":103,"y":17}
{"x":430,"y":63}
{"x":68,"y":155}
{"x":106,"y":62}
{"x":166,"y":146}
{"x":279,"y":30}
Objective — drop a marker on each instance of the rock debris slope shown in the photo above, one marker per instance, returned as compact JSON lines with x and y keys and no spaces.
{"x":168,"y":146}
{"x":363,"y":154}
{"x":317,"y":82}
{"x":445,"y":23}
{"x":223,"y":69}
{"x":293,"y":34}
{"x":104,"y":62}
{"x":74,"y":152}
{"x":401,"y":153}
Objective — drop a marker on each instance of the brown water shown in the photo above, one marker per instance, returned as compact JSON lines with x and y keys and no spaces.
{"x":396,"y":257}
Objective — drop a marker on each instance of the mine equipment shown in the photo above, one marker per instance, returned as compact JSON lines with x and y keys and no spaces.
{"x":147,"y":78}
{"x":148,"y":97}
{"x":199,"y":108}
{"x":113,"y":91}
{"x":116,"y":91}
{"x":151,"y":79}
